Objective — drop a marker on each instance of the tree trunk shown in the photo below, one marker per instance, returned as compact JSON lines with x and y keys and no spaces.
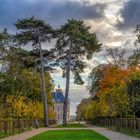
{"x":65,"y":107}
{"x":44,"y":95}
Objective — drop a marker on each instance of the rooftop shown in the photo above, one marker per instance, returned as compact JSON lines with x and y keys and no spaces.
{"x":58,"y":95}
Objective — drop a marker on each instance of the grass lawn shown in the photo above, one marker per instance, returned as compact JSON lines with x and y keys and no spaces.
{"x":71,"y":125}
{"x":69,"y":135}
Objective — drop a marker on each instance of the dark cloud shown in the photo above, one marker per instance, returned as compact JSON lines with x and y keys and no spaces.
{"x":76,"y":10}
{"x":56,"y":12}
{"x":131,"y":14}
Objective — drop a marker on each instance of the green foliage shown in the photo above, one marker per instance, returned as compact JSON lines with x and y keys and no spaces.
{"x":75,"y":41}
{"x":134,"y":60}
{"x":115,"y":101}
{"x":27,"y":84}
{"x":87,"y":109}
{"x":115,"y":93}
{"x":133,"y":89}
{"x":36,"y":31}
{"x":20,"y":85}
{"x":31,"y":28}
{"x":114,"y":90}
{"x":94,"y":80}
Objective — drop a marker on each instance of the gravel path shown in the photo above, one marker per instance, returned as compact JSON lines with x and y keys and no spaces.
{"x":112,"y":135}
{"x":104,"y":131}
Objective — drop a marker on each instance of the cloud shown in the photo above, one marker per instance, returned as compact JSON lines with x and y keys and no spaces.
{"x":130,"y":14}
{"x":77,"y":10}
{"x":54,"y":11}
{"x":77,"y":92}
{"x":101,"y":15}
{"x":76,"y":95}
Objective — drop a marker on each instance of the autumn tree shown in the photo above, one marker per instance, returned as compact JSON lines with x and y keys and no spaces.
{"x":133,"y":84}
{"x":11,"y":64}
{"x":109,"y":82}
{"x":114,"y":86}
{"x":26,"y":101}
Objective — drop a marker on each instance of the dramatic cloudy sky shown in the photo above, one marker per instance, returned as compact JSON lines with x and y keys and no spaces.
{"x":114,"y":21}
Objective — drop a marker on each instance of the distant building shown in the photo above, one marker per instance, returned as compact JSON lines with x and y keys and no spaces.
{"x":58,"y":102}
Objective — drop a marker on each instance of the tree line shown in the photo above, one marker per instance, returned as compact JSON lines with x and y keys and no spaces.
{"x":25,"y":65}
{"x":114,"y":87}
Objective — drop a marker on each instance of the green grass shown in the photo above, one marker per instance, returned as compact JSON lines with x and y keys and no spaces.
{"x":71,"y":125}
{"x":69,"y":135}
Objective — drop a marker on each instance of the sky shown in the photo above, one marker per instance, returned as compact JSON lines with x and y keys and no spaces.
{"x":114,"y":22}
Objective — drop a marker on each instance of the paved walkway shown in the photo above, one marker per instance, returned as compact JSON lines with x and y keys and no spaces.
{"x":104,"y":131}
{"x":112,"y":135}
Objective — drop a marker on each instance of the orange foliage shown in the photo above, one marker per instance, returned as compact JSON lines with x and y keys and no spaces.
{"x":112,"y":76}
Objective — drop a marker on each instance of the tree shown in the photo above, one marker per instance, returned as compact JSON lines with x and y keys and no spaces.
{"x":138,"y":33}
{"x":74,"y":42}
{"x":114,"y":103}
{"x":113,"y":76}
{"x":108,"y":83}
{"x":21,"y":97}
{"x":94,"y":80}
{"x":134,"y":59}
{"x":116,"y":56}
{"x":133,"y":89}
{"x":7,"y":48}
{"x":36,"y":31}
{"x":11,"y":63}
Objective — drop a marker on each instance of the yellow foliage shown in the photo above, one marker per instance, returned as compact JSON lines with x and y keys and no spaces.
{"x":51,"y":113}
{"x":22,"y":107}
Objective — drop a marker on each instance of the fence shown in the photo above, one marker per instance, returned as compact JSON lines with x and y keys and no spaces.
{"x":9,"y":127}
{"x":127,"y":123}
{"x":14,"y":126}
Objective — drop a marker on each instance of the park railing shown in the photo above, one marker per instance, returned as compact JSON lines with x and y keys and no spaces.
{"x":127,"y":123}
{"x":10,"y":127}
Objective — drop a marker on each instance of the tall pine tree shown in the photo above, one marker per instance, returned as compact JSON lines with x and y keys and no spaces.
{"x":36,"y":31}
{"x":74,"y":43}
